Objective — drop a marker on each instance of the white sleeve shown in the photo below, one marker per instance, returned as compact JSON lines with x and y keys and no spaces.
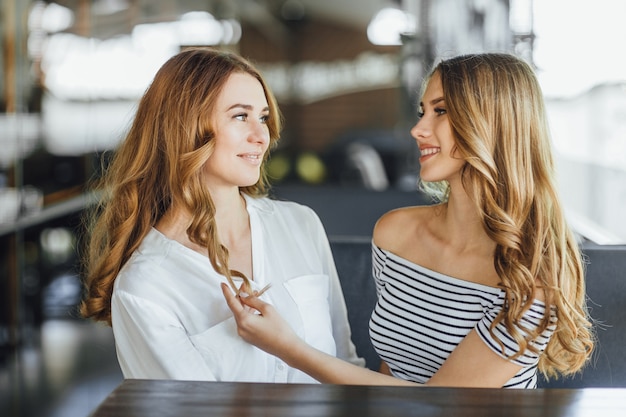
{"x":151,"y":343}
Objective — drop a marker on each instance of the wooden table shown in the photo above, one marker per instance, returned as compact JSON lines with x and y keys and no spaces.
{"x":151,"y":398}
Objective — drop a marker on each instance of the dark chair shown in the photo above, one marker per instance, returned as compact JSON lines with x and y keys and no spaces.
{"x":349,"y":211}
{"x":353,"y":258}
{"x":606,"y":291}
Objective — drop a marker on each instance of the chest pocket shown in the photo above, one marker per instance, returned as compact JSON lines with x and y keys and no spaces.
{"x":311,"y":295}
{"x":228,"y":356}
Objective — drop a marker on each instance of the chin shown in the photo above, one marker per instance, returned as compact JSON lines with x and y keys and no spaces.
{"x":249,"y":182}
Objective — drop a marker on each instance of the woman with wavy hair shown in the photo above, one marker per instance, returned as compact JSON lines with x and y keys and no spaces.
{"x":183,"y":209}
{"x":485,"y":287}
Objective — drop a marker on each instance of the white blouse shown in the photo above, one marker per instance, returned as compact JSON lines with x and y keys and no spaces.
{"x":170,"y":319}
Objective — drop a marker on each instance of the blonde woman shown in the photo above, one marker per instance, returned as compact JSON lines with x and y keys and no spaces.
{"x":485,"y":288}
{"x":183,"y":210}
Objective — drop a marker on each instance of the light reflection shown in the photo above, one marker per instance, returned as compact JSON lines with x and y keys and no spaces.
{"x":79,"y":68}
{"x":59,"y":345}
{"x":57,"y":244}
{"x":389,"y":24}
{"x":72,"y":127}
{"x":50,"y":17}
{"x":201,"y":28}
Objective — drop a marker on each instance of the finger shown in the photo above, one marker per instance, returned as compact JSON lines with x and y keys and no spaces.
{"x":233,"y":302}
{"x":257,"y":304}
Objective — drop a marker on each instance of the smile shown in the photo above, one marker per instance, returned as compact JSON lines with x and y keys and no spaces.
{"x":429,"y":151}
{"x":254,"y":158}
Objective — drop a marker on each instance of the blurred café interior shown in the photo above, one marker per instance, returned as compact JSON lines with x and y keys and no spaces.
{"x":346,"y":75}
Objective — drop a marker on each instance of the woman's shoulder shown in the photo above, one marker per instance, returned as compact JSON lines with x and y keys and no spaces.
{"x":151,"y":264}
{"x":140,"y":270}
{"x":270,"y":204}
{"x":395,"y":227}
{"x":404,"y":213}
{"x":284,"y":209}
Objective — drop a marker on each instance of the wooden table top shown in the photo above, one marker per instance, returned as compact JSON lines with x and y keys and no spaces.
{"x":139,"y":398}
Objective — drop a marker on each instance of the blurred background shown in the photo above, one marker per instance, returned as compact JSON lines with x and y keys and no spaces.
{"x":345,"y":73}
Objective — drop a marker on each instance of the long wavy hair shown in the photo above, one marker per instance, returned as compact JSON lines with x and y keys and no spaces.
{"x":160,"y":162}
{"x":496,"y":110}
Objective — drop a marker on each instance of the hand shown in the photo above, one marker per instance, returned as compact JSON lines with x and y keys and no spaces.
{"x":260,"y":324}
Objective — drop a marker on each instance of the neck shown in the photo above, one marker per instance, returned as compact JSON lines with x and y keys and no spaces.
{"x":231,"y":218}
{"x":462,"y":222}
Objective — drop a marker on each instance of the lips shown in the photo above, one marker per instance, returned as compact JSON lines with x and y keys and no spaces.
{"x":254,"y":158}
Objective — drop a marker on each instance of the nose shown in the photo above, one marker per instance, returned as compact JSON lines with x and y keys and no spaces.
{"x":420,"y":130}
{"x":259,"y":133}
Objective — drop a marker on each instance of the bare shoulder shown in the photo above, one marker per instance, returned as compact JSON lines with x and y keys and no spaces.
{"x":397,"y":227}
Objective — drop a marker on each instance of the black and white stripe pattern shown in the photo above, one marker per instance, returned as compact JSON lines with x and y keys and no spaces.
{"x":421,"y":316}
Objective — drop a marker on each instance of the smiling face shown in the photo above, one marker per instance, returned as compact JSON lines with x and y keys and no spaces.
{"x":241,"y":134}
{"x":434,"y":136}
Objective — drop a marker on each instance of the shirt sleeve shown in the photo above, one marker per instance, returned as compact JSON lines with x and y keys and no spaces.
{"x":151,"y":343}
{"x":530,"y":320}
{"x":338,"y":310}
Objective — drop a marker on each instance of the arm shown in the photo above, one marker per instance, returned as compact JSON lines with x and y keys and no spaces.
{"x":472,"y":364}
{"x":271,"y":333}
{"x":152,"y":344}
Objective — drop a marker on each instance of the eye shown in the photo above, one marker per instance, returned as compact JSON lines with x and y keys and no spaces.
{"x":264,"y":119}
{"x":420,"y":114}
{"x":241,"y":117}
{"x":440,"y":111}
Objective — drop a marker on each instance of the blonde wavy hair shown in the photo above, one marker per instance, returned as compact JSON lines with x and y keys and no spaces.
{"x":160,"y":162}
{"x":496,"y":110}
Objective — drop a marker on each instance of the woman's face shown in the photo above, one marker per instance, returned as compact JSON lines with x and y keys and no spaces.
{"x":241,"y":134}
{"x":434,"y":137}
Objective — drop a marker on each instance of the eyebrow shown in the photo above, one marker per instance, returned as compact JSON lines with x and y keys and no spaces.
{"x":433,"y":102}
{"x":245,"y":107}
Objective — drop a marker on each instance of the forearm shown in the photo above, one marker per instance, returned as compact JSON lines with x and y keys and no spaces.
{"x":331,"y":370}
{"x":269,"y":332}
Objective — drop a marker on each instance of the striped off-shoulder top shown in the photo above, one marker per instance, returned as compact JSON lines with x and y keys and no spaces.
{"x":421,"y":316}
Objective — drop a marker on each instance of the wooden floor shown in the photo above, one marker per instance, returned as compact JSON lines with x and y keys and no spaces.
{"x":66,"y":369}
